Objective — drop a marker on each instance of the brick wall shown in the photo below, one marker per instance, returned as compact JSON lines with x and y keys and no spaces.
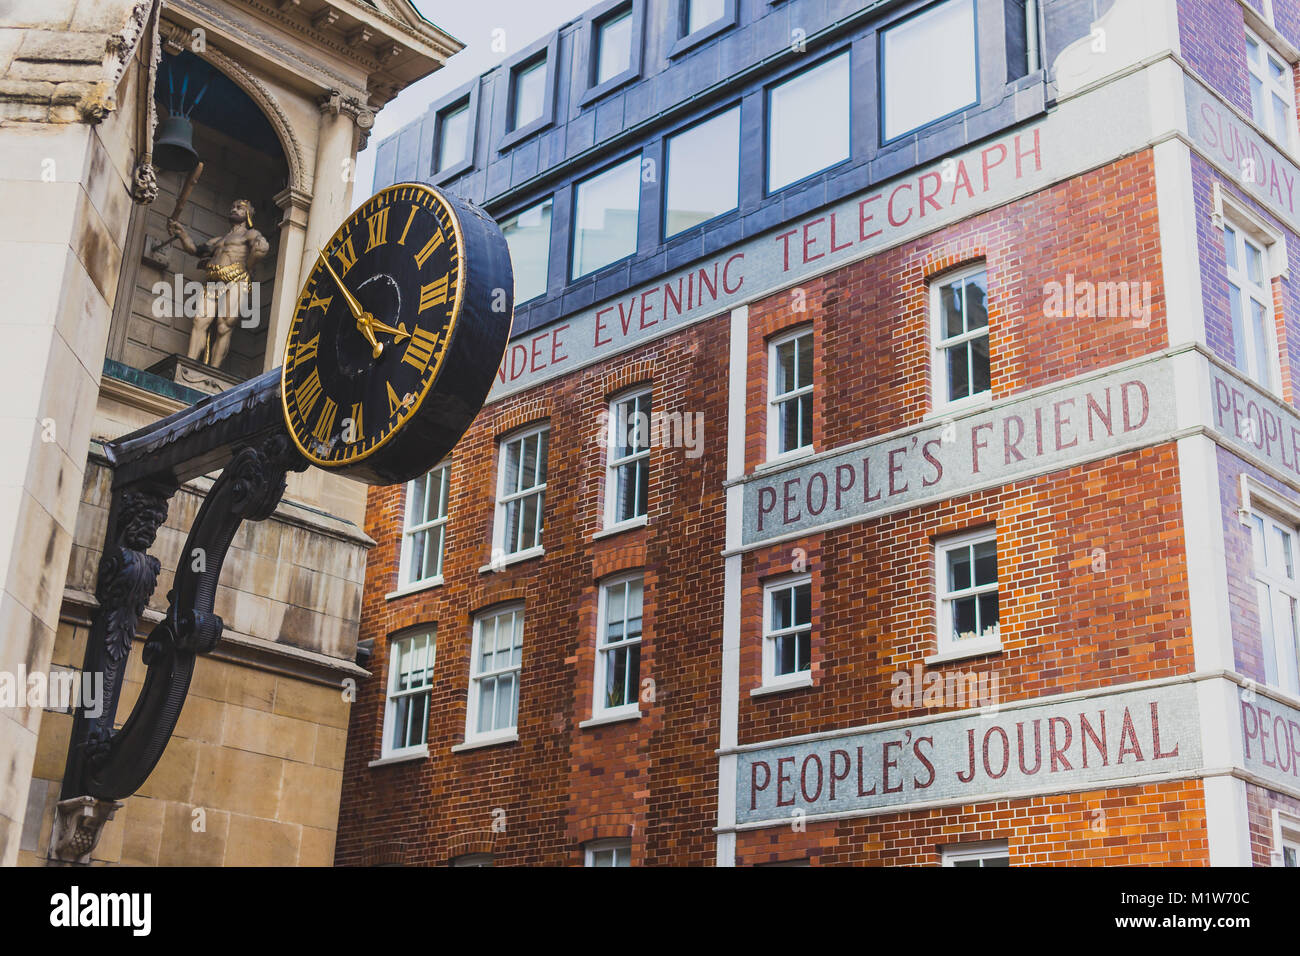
{"x":1066,"y":624}
{"x":1212,"y":36}
{"x":1159,"y":824}
{"x":652,"y":778}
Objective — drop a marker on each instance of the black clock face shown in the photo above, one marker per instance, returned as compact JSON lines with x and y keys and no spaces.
{"x":389,"y":282}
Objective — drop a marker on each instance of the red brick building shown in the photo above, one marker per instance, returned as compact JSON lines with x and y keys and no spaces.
{"x":882,"y":471}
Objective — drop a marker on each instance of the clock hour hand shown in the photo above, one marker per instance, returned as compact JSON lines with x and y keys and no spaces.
{"x":364,"y":319}
{"x":398,"y":333}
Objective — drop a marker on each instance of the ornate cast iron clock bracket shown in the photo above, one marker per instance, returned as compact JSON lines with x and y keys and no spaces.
{"x":240,"y":431}
{"x":444,"y":312}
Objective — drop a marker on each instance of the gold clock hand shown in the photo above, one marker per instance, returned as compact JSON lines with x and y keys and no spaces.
{"x":363,"y":317}
{"x":353,"y":305}
{"x":398,"y":333}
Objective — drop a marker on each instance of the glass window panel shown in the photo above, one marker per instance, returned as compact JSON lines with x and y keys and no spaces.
{"x":1290,"y":662}
{"x":1281,"y":118}
{"x":416,"y":512}
{"x":642,"y":500}
{"x":703,"y":172}
{"x":928,"y":66}
{"x":976,"y":288}
{"x":1259,"y":331}
{"x":511,"y":483}
{"x":988,"y":612}
{"x":959,"y":569}
{"x":785,"y":370}
{"x":986,"y":562}
{"x":486,"y":704}
{"x":1265,"y":596}
{"x":529,"y":94}
{"x":1284,"y":551}
{"x":950,"y":302}
{"x":804,"y":367}
{"x":607,"y":206}
{"x":529,"y":237}
{"x":782,"y":609}
{"x":701,"y":13}
{"x":542,"y":442}
{"x":1230,"y":246}
{"x":803,"y":604}
{"x":1254,"y":263}
{"x":979,"y":365}
{"x":785,"y":650}
{"x":1257,"y":100}
{"x":453,"y":137}
{"x":963,"y":618}
{"x":795,"y":147}
{"x":614,"y":47}
{"x":615,"y":598}
{"x":958,"y":372}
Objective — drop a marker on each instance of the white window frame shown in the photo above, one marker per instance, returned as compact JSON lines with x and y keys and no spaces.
{"x":598,"y":706}
{"x":771,"y":679}
{"x":613,"y":463}
{"x":393,"y":694}
{"x":775,"y":400}
{"x":1262,"y":505}
{"x":477,"y":677}
{"x":940,"y":342}
{"x":621,"y":850}
{"x":504,"y":500}
{"x":949,"y":648}
{"x":961,"y":852}
{"x":1240,"y":229}
{"x":1270,"y":87}
{"x":437,"y":524}
{"x":1286,"y":837}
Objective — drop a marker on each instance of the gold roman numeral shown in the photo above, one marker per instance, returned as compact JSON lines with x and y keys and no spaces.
{"x":322,"y":304}
{"x":434,"y":242}
{"x":407,"y":228}
{"x":435,"y":293}
{"x":394,"y":403}
{"x":421,"y":349}
{"x":357,"y":431}
{"x":378,"y":228}
{"x":305,"y":395}
{"x":306,"y":351}
{"x":346,"y":255}
{"x":325,"y":423}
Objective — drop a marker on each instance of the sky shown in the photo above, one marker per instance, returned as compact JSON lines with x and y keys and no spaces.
{"x":474,"y":23}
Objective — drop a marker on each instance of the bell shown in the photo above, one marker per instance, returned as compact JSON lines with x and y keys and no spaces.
{"x":173,"y":147}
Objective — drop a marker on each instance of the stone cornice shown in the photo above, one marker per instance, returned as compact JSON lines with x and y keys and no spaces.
{"x":235,"y":647}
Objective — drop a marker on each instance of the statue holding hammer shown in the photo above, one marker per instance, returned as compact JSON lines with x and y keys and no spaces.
{"x":228,"y":260}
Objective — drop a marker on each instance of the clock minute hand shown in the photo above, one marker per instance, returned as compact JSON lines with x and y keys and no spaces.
{"x":363,"y":317}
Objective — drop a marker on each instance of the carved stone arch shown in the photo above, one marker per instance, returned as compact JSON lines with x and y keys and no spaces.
{"x":300,"y":177}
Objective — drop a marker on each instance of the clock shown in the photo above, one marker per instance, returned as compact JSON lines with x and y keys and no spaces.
{"x":400,"y":327}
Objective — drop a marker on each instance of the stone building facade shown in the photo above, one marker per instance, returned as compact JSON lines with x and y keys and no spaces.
{"x":981,"y":313}
{"x":254,"y":772}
